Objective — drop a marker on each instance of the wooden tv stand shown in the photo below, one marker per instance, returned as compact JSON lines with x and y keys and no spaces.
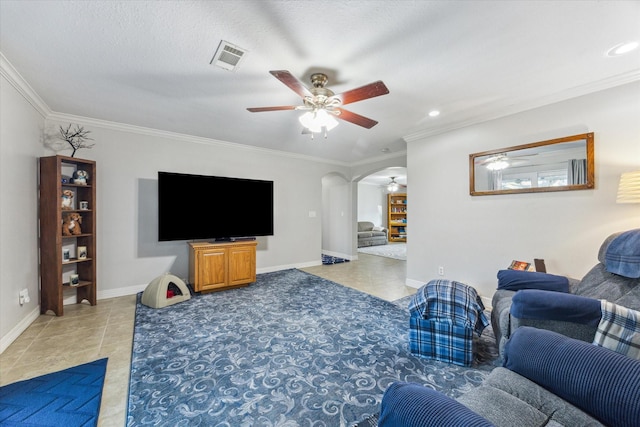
{"x":222,"y":265}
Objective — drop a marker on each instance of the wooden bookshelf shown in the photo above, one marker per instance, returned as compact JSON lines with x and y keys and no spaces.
{"x":397,"y":217}
{"x":56,"y":270}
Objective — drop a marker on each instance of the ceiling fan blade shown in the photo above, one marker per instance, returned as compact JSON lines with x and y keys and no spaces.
{"x":356,"y":118}
{"x":261,"y":109}
{"x":293,"y":83}
{"x":365,"y":92}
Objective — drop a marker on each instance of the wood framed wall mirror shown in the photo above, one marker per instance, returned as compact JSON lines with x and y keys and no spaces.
{"x":561,"y":164}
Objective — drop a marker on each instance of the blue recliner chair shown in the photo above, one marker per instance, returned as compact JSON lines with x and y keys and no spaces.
{"x":568,"y":306}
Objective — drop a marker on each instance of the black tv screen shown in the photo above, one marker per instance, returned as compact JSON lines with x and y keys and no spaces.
{"x":213,"y":207}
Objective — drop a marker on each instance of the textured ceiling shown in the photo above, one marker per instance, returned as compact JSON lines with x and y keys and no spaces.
{"x":146,"y":63}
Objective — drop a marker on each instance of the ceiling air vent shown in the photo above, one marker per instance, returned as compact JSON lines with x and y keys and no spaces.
{"x":228,"y":56}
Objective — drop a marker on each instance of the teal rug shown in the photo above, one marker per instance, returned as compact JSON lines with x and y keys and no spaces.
{"x":69,"y":398}
{"x":290,"y":350}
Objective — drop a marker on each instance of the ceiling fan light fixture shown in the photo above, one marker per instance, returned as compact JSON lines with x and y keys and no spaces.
{"x":393,"y":186}
{"x":497,"y":165}
{"x":318,"y":119}
{"x":622,"y":48}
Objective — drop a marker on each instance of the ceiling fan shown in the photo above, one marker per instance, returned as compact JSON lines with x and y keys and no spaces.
{"x":501,"y":161}
{"x":394,"y":186}
{"x":322,"y":106}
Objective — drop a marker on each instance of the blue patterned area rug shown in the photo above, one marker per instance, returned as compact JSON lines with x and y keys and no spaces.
{"x":292,"y":349}
{"x":69,"y":398}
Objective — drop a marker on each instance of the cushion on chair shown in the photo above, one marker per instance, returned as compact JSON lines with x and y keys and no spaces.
{"x":413,"y":405}
{"x":515,"y":280}
{"x":365,"y":226}
{"x":549,"y":305}
{"x":599,"y":381}
{"x":622,"y":256}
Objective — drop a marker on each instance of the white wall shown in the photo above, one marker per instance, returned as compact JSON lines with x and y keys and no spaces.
{"x":128,"y":159}
{"x":20,"y":146}
{"x":336,"y":216}
{"x":129,"y":254}
{"x":372,"y":204}
{"x":474,"y":237}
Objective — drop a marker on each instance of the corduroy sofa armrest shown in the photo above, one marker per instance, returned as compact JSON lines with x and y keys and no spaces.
{"x":413,"y":405}
{"x":601,"y":382}
{"x":549,"y":305}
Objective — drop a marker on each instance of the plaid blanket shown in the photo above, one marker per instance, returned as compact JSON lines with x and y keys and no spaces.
{"x":619,"y":330}
{"x":444,"y":315}
{"x":450,"y":301}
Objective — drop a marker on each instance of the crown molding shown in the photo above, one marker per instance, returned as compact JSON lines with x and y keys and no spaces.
{"x":370,"y":160}
{"x":14,"y":78}
{"x":8,"y":71}
{"x":123,"y":127}
{"x":564,"y":95}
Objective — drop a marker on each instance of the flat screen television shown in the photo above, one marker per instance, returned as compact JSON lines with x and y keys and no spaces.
{"x":193,"y":207}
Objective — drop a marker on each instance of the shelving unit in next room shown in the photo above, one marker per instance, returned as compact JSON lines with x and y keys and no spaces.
{"x":397,"y":217}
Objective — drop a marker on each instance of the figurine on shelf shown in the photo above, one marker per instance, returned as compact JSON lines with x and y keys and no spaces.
{"x":67,"y":200}
{"x":80,"y":177}
{"x":71,"y":224}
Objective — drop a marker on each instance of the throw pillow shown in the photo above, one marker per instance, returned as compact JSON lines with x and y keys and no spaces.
{"x":515,"y":280}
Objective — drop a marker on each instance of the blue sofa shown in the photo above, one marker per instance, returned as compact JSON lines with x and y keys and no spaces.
{"x":547,"y":379}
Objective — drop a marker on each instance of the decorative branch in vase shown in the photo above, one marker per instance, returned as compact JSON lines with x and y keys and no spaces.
{"x":76,"y":137}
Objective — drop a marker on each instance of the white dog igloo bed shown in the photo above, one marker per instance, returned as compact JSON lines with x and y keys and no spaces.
{"x":156,"y":296}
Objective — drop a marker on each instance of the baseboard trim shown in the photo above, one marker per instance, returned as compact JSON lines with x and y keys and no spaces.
{"x":350,"y":257}
{"x":288,"y":266}
{"x":9,"y":338}
{"x":22,"y":326}
{"x":414,"y":283}
{"x":121,"y":292}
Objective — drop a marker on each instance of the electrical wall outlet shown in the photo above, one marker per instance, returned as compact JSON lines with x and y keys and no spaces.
{"x":24,"y":297}
{"x":441,"y":271}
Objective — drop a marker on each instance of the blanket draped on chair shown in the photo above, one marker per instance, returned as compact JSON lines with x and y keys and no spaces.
{"x":619,"y":330}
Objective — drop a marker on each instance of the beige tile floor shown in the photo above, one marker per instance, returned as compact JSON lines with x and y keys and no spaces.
{"x":87,"y":333}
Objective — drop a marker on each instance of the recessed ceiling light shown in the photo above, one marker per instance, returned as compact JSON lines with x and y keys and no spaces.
{"x":622,"y":48}
{"x":385,"y":150}
{"x":434,"y":113}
